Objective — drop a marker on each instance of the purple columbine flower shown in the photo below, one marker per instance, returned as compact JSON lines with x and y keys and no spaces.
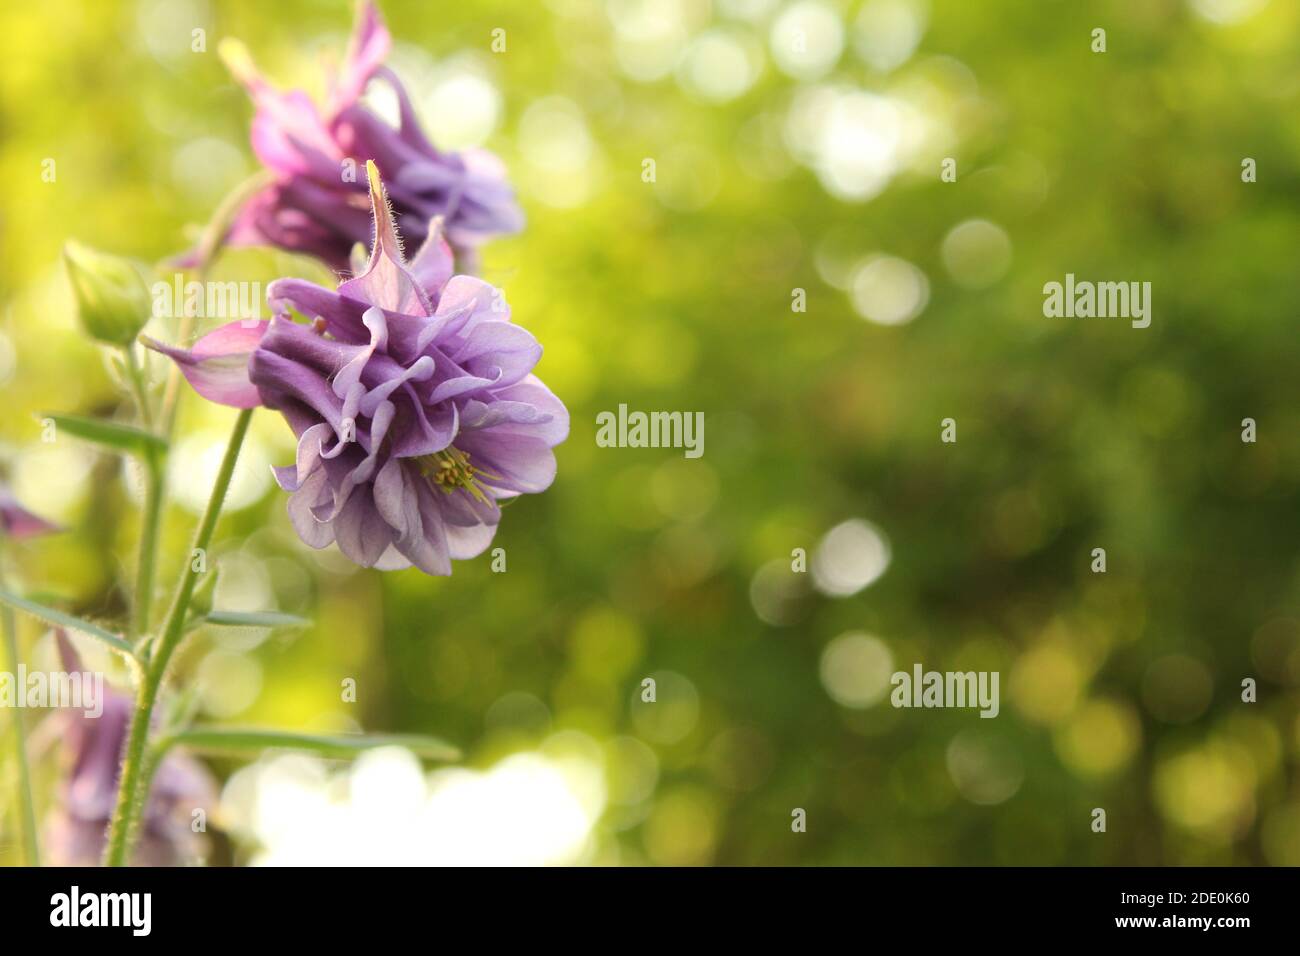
{"x":316,"y":203}
{"x":412,"y":396}
{"x":17,"y":522}
{"x":76,"y":832}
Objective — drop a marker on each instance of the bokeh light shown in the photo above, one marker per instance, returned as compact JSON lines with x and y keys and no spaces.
{"x":855,"y":669}
{"x":889,"y":291}
{"x":526,"y":810}
{"x":850,"y":557}
{"x":807,"y":38}
{"x":976,"y":253}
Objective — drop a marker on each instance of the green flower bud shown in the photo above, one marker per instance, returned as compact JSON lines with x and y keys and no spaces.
{"x":112,"y":299}
{"x":201,"y":601}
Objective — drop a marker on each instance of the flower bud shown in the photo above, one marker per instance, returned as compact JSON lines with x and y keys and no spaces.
{"x":112,"y":299}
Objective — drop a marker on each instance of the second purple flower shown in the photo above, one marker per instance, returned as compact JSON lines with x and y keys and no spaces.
{"x":316,"y":202}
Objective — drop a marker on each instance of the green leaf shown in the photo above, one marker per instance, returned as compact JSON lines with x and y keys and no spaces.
{"x":113,"y":435}
{"x":235,"y":740}
{"x":253,"y":619}
{"x":59,"y":619}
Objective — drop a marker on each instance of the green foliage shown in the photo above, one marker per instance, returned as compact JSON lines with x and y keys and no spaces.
{"x":676,"y":295}
{"x":58,"y":618}
{"x":113,"y":435}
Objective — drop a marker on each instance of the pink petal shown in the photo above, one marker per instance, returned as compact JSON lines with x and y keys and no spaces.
{"x":433,"y":264}
{"x":386,"y":282}
{"x":367,"y":48}
{"x":217,"y":366}
{"x":17,"y":522}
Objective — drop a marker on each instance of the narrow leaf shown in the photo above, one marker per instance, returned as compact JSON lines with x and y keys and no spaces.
{"x":234,"y":740}
{"x":253,"y":619}
{"x":59,"y":619}
{"x":113,"y":435}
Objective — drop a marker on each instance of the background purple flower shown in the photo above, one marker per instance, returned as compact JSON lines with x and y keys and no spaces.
{"x":311,"y":207}
{"x":17,"y":522}
{"x":76,"y":831}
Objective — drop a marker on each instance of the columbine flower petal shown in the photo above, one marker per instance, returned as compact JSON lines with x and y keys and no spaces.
{"x":367,"y":47}
{"x":387,"y":282}
{"x":217,"y":366}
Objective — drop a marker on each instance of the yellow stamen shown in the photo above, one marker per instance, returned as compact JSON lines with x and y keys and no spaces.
{"x":450,"y":469}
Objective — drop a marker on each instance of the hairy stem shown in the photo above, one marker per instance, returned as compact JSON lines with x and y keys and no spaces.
{"x":133,"y":787}
{"x":149,"y":530}
{"x":139,"y":388}
{"x":154,"y":478}
{"x":171,"y":391}
{"x":26,"y":808}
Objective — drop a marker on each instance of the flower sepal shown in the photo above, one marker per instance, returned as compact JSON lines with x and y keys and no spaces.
{"x":217,"y":366}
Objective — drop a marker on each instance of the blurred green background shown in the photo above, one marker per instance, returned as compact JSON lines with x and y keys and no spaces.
{"x":797,"y":145}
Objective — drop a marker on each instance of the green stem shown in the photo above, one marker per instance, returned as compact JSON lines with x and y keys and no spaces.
{"x":171,"y":391}
{"x":149,"y":530}
{"x":210,"y":245}
{"x":133,"y":787}
{"x":26,"y":808}
{"x":154,"y":478}
{"x":255,"y":740}
{"x":138,"y":385}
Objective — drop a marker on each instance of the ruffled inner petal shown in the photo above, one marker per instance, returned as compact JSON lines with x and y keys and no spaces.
{"x":359,"y":530}
{"x":303,"y":503}
{"x":522,"y":463}
{"x":279,"y":378}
